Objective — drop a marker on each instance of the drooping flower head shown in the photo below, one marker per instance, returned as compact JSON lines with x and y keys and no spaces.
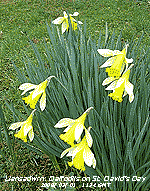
{"x":74,"y":129}
{"x":81,"y":153}
{"x":36,"y":93}
{"x":117,"y":61}
{"x":121,"y":85}
{"x":26,"y":128}
{"x":64,"y":21}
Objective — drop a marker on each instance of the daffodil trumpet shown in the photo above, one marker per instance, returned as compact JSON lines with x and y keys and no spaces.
{"x":26,"y":128}
{"x":74,"y":129}
{"x":36,"y":93}
{"x":64,"y":21}
{"x":81,"y":153}
{"x":120,"y":86}
{"x":117,"y":61}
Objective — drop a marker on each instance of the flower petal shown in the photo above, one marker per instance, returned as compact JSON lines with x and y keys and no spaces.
{"x":64,"y":152}
{"x":27,"y":128}
{"x":69,"y":126}
{"x":64,"y":122}
{"x":65,"y":14}
{"x":112,"y":86}
{"x":108,"y":80}
{"x":75,"y":14}
{"x":129,"y":90}
{"x":40,"y":89}
{"x":78,"y":131}
{"x":129,"y":60}
{"x":109,"y":62}
{"x":94,"y":162}
{"x":26,"y":87}
{"x":73,"y":151}
{"x":79,"y":22}
{"x":59,"y":20}
{"x":88,"y":156}
{"x":88,"y":138}
{"x":16,"y":125}
{"x":64,"y":27}
{"x":36,"y":92}
{"x":108,"y":52}
{"x":31,"y":135}
{"x":43,"y":101}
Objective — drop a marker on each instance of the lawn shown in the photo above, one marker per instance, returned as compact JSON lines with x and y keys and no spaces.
{"x":20,"y":19}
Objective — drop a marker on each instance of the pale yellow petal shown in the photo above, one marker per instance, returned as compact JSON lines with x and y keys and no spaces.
{"x":16,"y":125}
{"x":129,"y":90}
{"x":64,"y":122}
{"x":105,"y":52}
{"x":112,"y":86}
{"x":64,"y":152}
{"x":79,"y":22}
{"x":108,"y":80}
{"x":129,"y":60}
{"x":78,"y":131}
{"x":26,"y":87}
{"x":75,"y":14}
{"x":59,"y":20}
{"x":64,"y":26}
{"x":31,"y":135}
{"x":88,"y":138}
{"x":109,"y":62}
{"x":43,"y":101}
{"x":88,"y":156}
{"x":27,"y":128}
{"x":40,"y":89}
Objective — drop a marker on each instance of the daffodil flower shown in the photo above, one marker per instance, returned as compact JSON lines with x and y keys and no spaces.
{"x":36,"y":93}
{"x":117,"y":61}
{"x":121,"y":85}
{"x":26,"y":128}
{"x":74,"y":129}
{"x":65,"y":23}
{"x":81,"y":153}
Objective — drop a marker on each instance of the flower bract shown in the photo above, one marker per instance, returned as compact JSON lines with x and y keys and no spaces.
{"x":36,"y":93}
{"x":81,"y":153}
{"x":74,"y":129}
{"x":64,"y":21}
{"x":120,"y":86}
{"x":117,"y":61}
{"x":26,"y":128}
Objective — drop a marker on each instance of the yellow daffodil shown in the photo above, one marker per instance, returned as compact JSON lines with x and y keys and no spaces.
{"x":36,"y":93}
{"x":26,"y":128}
{"x":74,"y":129}
{"x":65,"y":23}
{"x":81,"y":153}
{"x":121,"y":85}
{"x":117,"y":61}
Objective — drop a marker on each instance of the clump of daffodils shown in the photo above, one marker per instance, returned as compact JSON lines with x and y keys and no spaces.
{"x":80,"y":152}
{"x":65,"y":23}
{"x":74,"y":129}
{"x":117,"y":61}
{"x":120,"y":84}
